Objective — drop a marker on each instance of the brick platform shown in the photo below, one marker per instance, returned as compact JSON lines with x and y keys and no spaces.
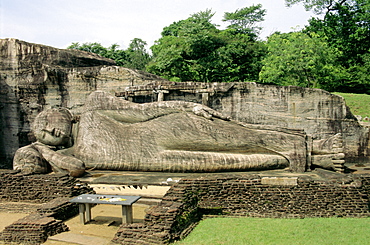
{"x":48,"y":197}
{"x":246,"y":195}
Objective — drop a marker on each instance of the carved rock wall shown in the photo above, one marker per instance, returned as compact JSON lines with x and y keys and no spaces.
{"x":317,"y":112}
{"x":35,"y":77}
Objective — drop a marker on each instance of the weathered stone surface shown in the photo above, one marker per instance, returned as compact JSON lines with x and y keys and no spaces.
{"x":171,"y":136}
{"x":178,"y":136}
{"x":35,"y":77}
{"x":317,"y":112}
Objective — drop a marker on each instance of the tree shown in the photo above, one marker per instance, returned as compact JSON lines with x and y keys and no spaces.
{"x":196,"y":50}
{"x":240,"y":58}
{"x":345,"y":27}
{"x":299,"y":59}
{"x":186,"y":50}
{"x":118,"y":55}
{"x":318,"y":6}
{"x":137,"y":55}
{"x":96,"y":48}
{"x":134,"y":57}
{"x":244,"y":20}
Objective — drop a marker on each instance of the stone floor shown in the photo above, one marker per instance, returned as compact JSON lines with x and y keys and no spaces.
{"x":137,"y":180}
{"x":106,"y":220}
{"x":101,"y":230}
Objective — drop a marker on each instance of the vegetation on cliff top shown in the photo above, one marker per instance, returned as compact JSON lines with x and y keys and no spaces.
{"x":332,"y":52}
{"x":359,"y":104}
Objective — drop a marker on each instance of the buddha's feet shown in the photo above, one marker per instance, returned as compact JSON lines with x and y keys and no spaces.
{"x":329,"y":153}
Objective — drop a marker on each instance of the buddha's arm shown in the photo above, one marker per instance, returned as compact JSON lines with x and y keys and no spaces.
{"x":60,"y":162}
{"x":129,"y":112}
{"x":184,"y":106}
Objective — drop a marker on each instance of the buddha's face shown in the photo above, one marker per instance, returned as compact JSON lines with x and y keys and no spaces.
{"x":53,"y":127}
{"x":53,"y":138}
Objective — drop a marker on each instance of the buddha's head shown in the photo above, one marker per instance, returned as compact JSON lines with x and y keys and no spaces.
{"x":53,"y":127}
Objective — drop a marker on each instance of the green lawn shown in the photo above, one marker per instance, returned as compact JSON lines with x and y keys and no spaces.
{"x":310,"y":231}
{"x":358,"y":103}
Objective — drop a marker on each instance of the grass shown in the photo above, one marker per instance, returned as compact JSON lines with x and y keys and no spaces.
{"x":358,"y":103}
{"x":310,"y":231}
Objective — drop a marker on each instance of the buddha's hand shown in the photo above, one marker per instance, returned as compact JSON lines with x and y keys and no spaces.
{"x":208,"y":113}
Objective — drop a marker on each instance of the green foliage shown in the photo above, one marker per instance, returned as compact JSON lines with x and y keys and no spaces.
{"x":135,"y":56}
{"x":244,"y":20}
{"x":346,"y":28}
{"x":185,"y":50}
{"x":96,"y":48}
{"x":280,"y":231}
{"x":332,"y":53}
{"x":195,"y":50}
{"x":299,"y":59}
{"x":359,"y":104}
{"x":319,"y":6}
{"x":138,"y":57}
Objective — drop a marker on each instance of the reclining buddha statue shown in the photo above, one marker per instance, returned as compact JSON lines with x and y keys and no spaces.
{"x":111,"y":133}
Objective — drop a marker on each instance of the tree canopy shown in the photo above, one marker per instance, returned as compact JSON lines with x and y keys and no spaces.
{"x":196,"y":50}
{"x":332,"y":52}
{"x":320,"y":6}
{"x":244,"y":20}
{"x":346,"y":27}
{"x":135,"y":57}
{"x":299,"y":59}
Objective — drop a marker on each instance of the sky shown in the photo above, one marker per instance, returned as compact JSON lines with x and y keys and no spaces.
{"x":59,"y":23}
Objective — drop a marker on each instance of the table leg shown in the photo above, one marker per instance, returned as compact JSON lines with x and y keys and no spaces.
{"x":127,"y":217}
{"x":81,"y":207}
{"x":88,"y":212}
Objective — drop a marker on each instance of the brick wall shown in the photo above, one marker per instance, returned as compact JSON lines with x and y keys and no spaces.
{"x":188,"y":201}
{"x":52,"y":194}
{"x":246,"y":195}
{"x":38,"y":188}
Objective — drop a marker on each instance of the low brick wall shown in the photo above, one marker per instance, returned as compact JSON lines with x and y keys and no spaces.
{"x":187,"y":202}
{"x":249,"y":196}
{"x":309,"y":198}
{"x":38,"y":188}
{"x":52,"y":194}
{"x":32,"y":229}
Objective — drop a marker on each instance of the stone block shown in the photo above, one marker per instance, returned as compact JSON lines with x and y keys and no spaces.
{"x":279,"y":181}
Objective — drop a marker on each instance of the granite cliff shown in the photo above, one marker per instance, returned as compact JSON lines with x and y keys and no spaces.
{"x":35,"y":77}
{"x":319,"y":113}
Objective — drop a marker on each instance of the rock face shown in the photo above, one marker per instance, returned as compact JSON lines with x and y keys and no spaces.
{"x":166,"y":136}
{"x":36,"y":77}
{"x":319,"y":113}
